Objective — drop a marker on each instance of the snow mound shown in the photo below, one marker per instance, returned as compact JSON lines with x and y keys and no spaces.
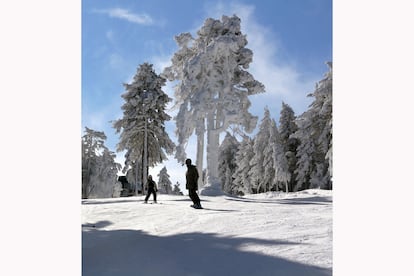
{"x":318,"y":192}
{"x":211,"y":190}
{"x":301,"y":194}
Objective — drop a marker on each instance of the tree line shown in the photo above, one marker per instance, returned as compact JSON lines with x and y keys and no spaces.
{"x":292,"y":156}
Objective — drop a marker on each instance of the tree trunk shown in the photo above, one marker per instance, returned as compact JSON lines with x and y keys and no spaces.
{"x":145,"y":165}
{"x":136,"y":177}
{"x":200,"y":151}
{"x":212,"y":186}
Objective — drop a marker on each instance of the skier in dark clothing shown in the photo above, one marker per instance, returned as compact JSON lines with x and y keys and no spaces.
{"x":152,"y":189}
{"x":191,"y":184}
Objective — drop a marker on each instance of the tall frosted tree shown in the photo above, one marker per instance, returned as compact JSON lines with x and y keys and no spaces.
{"x":227,"y":162}
{"x":92,"y":143}
{"x":99,"y":169}
{"x":213,"y":89}
{"x":164,"y":182}
{"x":287,"y":127}
{"x":260,"y":149}
{"x":280,"y":162}
{"x":315,"y":135}
{"x":242,"y":182}
{"x":142,"y":130}
{"x":269,"y":175}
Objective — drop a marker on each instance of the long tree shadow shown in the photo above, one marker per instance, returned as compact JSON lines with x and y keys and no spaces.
{"x":307,"y":200}
{"x":110,"y":201}
{"x":185,"y":199}
{"x":220,"y":210}
{"x":134,"y":252}
{"x":99,"y":224}
{"x":301,"y":201}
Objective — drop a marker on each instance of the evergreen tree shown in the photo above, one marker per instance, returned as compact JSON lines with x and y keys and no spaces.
{"x":287,"y":127}
{"x":164,"y":183}
{"x":177,"y":190}
{"x":315,"y":135}
{"x":99,"y":169}
{"x":92,"y":144}
{"x":213,"y":90}
{"x":261,"y":146}
{"x":242,"y":182}
{"x":227,"y":162}
{"x":280,"y":162}
{"x":105,"y":175}
{"x":142,"y":130}
{"x":134,"y":176}
{"x":269,"y":159}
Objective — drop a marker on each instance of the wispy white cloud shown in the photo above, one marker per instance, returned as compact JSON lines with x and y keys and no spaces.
{"x":94,"y":120}
{"x":110,"y":35}
{"x":124,"y":14}
{"x":116,"y":61}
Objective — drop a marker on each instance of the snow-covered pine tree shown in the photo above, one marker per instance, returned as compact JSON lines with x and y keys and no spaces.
{"x":142,"y":130}
{"x":164,"y":183}
{"x":242,"y":182}
{"x":132,"y":172}
{"x":176,"y":189}
{"x":92,"y":144}
{"x":105,"y":176}
{"x":315,"y":135}
{"x":261,"y":144}
{"x":325,"y":91}
{"x":99,"y":169}
{"x":213,"y":89}
{"x":269,"y":159}
{"x":287,"y":126}
{"x":280,"y":163}
{"x":227,"y":162}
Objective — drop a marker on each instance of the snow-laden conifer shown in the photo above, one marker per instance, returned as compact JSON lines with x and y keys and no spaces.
{"x":269,"y":182}
{"x":242,"y":182}
{"x":287,"y":126}
{"x":176,"y":189}
{"x":164,"y":183}
{"x":213,"y":89}
{"x":99,"y":169}
{"x":261,"y":144}
{"x":142,"y":130}
{"x":315,"y":135}
{"x":227,"y":162}
{"x":280,"y":163}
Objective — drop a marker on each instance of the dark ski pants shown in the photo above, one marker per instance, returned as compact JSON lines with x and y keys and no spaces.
{"x":151,"y":191}
{"x":192,"y":193}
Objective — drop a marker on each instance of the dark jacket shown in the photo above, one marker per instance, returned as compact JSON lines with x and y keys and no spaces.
{"x":152,"y":185}
{"x":191,"y":178}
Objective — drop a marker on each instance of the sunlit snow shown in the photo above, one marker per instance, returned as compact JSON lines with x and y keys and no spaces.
{"x":263,"y":234}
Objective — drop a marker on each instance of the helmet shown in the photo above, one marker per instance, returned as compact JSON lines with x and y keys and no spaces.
{"x":188,"y":161}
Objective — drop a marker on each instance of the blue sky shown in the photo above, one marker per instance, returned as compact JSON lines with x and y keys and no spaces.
{"x":290,"y":40}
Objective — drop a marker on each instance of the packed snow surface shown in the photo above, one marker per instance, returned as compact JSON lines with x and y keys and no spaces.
{"x":263,"y":234}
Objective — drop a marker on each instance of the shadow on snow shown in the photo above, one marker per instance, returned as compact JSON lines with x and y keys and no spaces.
{"x":135,"y":199}
{"x":106,"y":201}
{"x":100,"y":224}
{"x":307,"y":200}
{"x":317,"y":200}
{"x":134,"y":252}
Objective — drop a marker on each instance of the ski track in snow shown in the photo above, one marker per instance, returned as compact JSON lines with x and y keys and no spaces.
{"x":265,"y":234}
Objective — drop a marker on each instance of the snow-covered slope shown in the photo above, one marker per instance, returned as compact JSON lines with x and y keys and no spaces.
{"x":264,"y":234}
